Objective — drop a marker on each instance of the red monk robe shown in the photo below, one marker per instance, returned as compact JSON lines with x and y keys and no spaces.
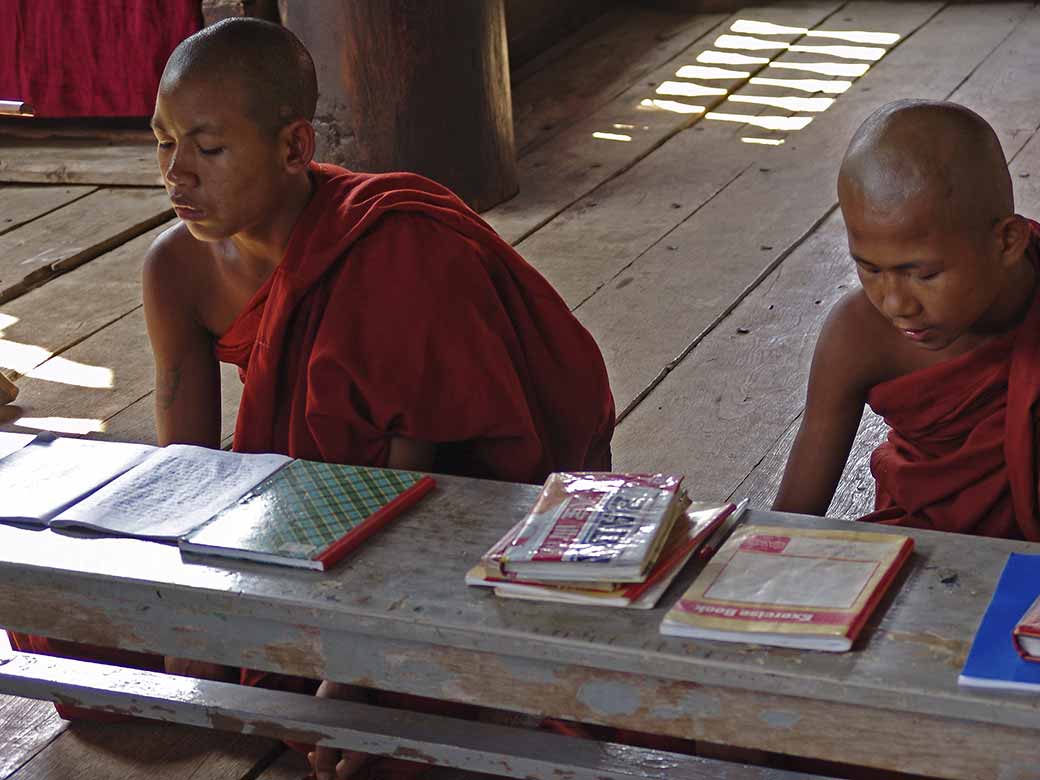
{"x":397,"y":311}
{"x":961,"y":452}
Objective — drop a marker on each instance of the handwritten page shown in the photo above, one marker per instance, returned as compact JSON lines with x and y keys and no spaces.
{"x":171,"y":493}
{"x":51,"y":473}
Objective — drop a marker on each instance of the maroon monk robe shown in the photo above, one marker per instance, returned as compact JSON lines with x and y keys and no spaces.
{"x":961,"y":452}
{"x":397,"y":311}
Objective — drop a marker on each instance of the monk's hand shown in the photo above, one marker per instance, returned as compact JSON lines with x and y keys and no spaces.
{"x":332,"y":763}
{"x":185,"y":667}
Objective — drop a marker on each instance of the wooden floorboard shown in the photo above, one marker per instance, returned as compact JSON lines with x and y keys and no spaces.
{"x":723,"y":407}
{"x":595,"y":242}
{"x":742,"y":389}
{"x":88,"y":383}
{"x":52,"y":318}
{"x":682,"y":285}
{"x":21,"y":204}
{"x":26,"y":726}
{"x":52,"y":161}
{"x":575,"y":162}
{"x":76,"y":233}
{"x":618,"y":50}
{"x":157,"y":751}
{"x":290,"y":765}
{"x":70,"y":317}
{"x":85,"y":389}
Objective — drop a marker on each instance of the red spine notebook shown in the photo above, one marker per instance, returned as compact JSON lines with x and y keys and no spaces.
{"x":309,"y":514}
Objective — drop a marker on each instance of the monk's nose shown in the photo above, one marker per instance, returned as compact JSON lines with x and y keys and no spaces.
{"x":897,"y":302}
{"x":176,"y":170}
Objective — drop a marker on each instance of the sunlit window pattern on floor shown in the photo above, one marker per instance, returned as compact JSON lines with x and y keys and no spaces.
{"x":776,"y":87}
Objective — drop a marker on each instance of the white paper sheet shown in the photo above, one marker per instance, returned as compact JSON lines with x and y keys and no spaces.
{"x":172,"y":492}
{"x":50,"y":473}
{"x":12,"y":442}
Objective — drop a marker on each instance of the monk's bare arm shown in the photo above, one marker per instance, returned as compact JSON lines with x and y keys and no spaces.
{"x":187,"y":377}
{"x":837,"y":391}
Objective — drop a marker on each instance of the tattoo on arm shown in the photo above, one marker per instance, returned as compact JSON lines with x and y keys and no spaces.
{"x":166,"y":391}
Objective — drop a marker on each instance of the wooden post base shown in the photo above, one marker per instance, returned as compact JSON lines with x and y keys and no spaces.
{"x":416,"y":86}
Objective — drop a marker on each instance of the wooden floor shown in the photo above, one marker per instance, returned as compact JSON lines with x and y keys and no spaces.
{"x":677,"y":186}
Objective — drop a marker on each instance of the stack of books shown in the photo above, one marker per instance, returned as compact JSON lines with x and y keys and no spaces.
{"x":600,"y":539}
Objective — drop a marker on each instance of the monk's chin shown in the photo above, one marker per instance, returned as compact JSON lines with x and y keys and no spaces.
{"x":204,"y":232}
{"x":932,"y":343}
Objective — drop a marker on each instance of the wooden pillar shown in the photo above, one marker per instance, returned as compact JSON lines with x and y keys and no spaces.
{"x":416,"y":85}
{"x":215,"y":10}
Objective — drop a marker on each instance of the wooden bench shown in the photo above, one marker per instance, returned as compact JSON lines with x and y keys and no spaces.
{"x":397,"y":616}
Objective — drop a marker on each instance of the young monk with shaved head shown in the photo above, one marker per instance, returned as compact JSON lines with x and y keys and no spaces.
{"x":942,"y":339}
{"x":375,"y":319}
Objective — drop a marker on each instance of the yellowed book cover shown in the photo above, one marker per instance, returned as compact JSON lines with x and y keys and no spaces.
{"x":791,"y":587}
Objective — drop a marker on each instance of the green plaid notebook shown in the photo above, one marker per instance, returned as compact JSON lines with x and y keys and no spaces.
{"x":309,"y":514}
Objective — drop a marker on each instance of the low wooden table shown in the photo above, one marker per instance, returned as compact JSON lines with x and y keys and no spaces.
{"x":397,"y":616}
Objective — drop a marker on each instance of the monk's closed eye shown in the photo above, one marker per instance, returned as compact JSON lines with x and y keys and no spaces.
{"x":213,"y":151}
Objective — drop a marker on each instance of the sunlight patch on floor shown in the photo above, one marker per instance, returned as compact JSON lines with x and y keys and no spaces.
{"x":747,"y":43}
{"x":37,"y":362}
{"x":75,"y":425}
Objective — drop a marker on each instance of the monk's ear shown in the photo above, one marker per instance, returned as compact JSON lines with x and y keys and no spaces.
{"x":1013,"y":235}
{"x":297,"y":145}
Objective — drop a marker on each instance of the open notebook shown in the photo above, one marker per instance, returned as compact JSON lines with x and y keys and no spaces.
{"x":260,"y":506}
{"x":125,"y":489}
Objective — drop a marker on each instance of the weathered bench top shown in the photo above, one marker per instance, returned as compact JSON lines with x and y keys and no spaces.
{"x":397,"y":615}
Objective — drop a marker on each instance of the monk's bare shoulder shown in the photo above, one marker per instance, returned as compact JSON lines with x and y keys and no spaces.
{"x":175,"y":263}
{"x":857,"y":345}
{"x":180,"y":275}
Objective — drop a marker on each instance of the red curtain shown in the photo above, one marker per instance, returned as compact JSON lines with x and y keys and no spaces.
{"x":99,"y":58}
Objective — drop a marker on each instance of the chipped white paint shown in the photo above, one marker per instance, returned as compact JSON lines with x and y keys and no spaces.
{"x":779,"y":719}
{"x":609,"y":697}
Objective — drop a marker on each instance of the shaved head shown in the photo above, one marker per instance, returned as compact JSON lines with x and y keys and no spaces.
{"x":914,"y":152}
{"x":263,"y":62}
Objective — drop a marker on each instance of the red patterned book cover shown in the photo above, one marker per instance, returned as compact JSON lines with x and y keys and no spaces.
{"x":590,"y":526}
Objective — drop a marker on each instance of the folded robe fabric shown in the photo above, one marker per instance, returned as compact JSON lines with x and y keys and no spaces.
{"x":398,"y":312}
{"x":961,"y":452}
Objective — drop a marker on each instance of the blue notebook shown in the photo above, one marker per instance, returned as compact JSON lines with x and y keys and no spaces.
{"x":993,"y":661}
